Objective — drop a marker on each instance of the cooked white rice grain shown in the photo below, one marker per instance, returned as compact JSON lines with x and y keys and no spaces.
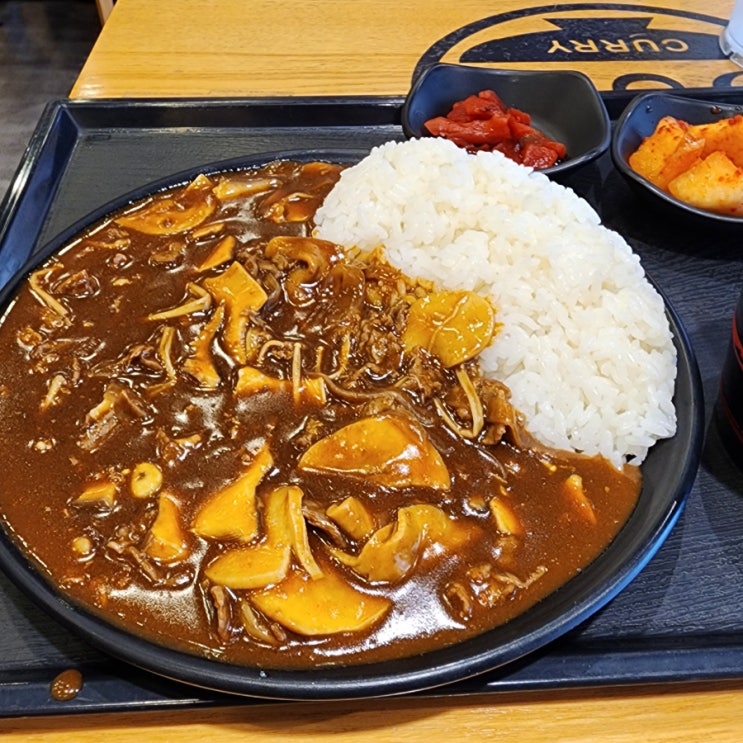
{"x":585,"y":348}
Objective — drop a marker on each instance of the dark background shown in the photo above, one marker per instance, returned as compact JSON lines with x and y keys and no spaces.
{"x":43,"y":46}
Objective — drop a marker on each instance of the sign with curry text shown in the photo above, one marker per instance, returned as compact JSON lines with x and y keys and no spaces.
{"x":620,"y":46}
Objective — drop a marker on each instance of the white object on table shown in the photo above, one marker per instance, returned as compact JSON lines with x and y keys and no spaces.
{"x":731,"y":38}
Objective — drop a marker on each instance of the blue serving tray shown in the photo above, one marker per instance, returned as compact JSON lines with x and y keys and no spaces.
{"x":680,"y":619}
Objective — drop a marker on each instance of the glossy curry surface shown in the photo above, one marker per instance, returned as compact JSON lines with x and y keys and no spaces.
{"x":235,"y":439}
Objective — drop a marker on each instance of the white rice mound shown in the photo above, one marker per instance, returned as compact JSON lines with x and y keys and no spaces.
{"x":585,"y":347}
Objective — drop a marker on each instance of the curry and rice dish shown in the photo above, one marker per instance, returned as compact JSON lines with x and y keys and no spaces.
{"x":231,"y":436}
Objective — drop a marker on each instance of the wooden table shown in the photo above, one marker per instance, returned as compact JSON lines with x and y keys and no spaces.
{"x":322,"y":47}
{"x":193,"y":48}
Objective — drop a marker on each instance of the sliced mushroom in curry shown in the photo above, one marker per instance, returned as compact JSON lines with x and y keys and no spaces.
{"x":231,"y":437}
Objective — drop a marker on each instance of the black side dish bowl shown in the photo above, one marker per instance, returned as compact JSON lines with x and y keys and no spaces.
{"x":668,"y":474}
{"x":638,"y":121}
{"x":563,"y":104}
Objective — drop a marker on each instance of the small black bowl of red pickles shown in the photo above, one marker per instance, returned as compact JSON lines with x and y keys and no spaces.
{"x":552,"y":121}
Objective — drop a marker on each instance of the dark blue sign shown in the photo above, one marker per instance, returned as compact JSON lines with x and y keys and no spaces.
{"x":597,"y":39}
{"x":641,"y":35}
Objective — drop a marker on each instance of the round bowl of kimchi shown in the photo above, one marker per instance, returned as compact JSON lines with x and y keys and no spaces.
{"x":682,"y":156}
{"x":552,"y":121}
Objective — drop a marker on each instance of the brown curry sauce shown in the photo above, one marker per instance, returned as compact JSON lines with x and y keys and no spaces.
{"x":144,"y":376}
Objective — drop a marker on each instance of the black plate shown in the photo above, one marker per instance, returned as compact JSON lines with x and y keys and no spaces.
{"x":668,"y":474}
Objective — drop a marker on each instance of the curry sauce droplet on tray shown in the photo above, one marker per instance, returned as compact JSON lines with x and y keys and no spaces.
{"x":66,"y":685}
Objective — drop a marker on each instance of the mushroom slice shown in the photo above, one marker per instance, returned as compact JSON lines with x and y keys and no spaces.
{"x":312,"y":390}
{"x":34,"y":281}
{"x":119,"y":403}
{"x":200,"y":364}
{"x":166,"y":540}
{"x":326,"y":606}
{"x":475,"y":406}
{"x":101,"y":493}
{"x":231,"y":513}
{"x":57,"y":385}
{"x":388,"y":449}
{"x":393,"y":551}
{"x":221,"y":253}
{"x":505,"y":518}
{"x":285,"y":207}
{"x":298,"y":529}
{"x":262,"y":564}
{"x":240,"y":186}
{"x":254,"y":624}
{"x":169,"y":215}
{"x":250,"y":567}
{"x":353,"y":517}
{"x":314,"y":258}
{"x":267,"y":562}
{"x":306,"y":389}
{"x":243,"y":296}
{"x":201,"y":303}
{"x":252,"y":381}
{"x":453,"y":325}
{"x":165,"y":354}
{"x":575,"y":492}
